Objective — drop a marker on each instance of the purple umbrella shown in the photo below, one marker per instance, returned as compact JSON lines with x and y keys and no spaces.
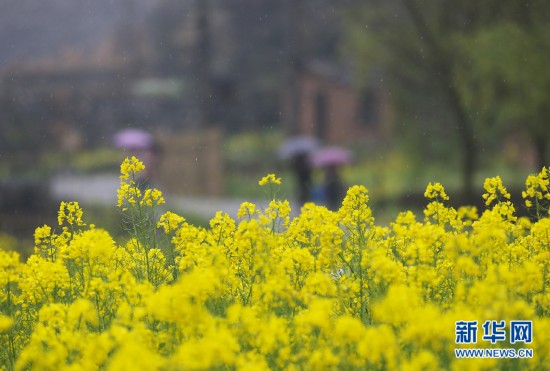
{"x":133,"y":139}
{"x":331,"y":156}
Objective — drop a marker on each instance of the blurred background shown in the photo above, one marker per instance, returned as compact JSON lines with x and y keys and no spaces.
{"x":415,"y":91}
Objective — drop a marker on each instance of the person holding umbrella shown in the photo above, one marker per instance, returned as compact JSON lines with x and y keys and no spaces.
{"x":140,"y":143}
{"x":297,"y":150}
{"x":331,"y":159}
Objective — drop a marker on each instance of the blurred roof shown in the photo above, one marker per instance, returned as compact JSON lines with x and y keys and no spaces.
{"x":35,"y":29}
{"x":158,"y":87}
{"x":332,"y":71}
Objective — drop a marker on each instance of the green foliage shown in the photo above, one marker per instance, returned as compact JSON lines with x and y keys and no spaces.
{"x":458,"y":72}
{"x":97,"y":160}
{"x":248,"y":156}
{"x":250,"y":148}
{"x":505,"y":77}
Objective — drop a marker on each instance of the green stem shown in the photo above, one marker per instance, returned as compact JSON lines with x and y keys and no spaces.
{"x":347,"y":263}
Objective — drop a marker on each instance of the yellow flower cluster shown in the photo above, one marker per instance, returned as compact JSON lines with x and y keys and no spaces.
{"x":269,"y":178}
{"x":71,"y":213}
{"x":130,"y":167}
{"x":170,"y":222}
{"x":495,"y":190}
{"x":435,"y":192}
{"x":129,"y":193}
{"x":537,"y":192}
{"x":325,"y":290}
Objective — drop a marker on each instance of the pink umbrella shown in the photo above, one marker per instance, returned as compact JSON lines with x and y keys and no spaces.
{"x":331,"y":156}
{"x":133,"y":139}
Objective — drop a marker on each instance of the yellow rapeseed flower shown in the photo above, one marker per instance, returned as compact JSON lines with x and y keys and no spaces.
{"x":435,"y":191}
{"x":269,"y":178}
{"x":325,"y":290}
{"x":130,"y":167}
{"x":170,"y":222}
{"x":495,"y":190}
{"x":70,"y":212}
{"x":5,"y":323}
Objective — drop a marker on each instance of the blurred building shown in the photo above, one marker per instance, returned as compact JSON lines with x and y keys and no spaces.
{"x":332,"y":109}
{"x":76,"y":101}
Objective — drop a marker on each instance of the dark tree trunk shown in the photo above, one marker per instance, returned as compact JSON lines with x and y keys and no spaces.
{"x":541,"y":151}
{"x":203,"y":59}
{"x":294,"y":44}
{"x":443,"y":64}
{"x":467,"y":140}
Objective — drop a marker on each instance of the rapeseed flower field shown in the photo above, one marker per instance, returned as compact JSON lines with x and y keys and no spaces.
{"x":325,"y":290}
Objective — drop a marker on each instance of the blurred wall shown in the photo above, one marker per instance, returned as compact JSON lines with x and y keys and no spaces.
{"x":191,"y":163}
{"x":332,"y":109}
